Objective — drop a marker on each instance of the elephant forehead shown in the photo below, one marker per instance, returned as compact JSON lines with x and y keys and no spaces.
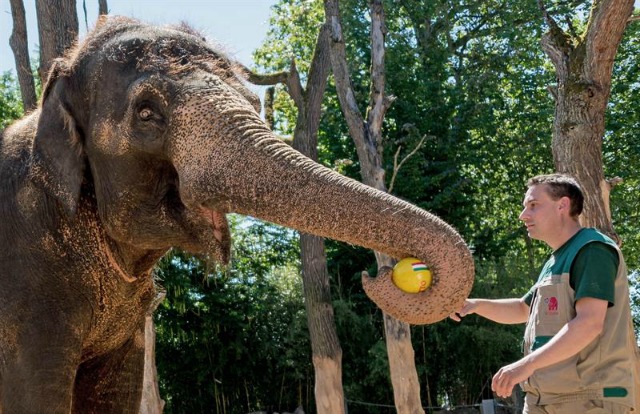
{"x":172,"y":52}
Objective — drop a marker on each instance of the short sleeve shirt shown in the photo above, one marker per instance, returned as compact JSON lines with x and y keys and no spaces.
{"x":593,"y":273}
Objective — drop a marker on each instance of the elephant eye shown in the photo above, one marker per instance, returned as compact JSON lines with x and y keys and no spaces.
{"x":145,"y":113}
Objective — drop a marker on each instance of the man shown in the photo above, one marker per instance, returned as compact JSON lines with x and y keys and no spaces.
{"x":579,"y":346}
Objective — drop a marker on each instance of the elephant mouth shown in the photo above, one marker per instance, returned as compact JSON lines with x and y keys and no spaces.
{"x":220,"y":246}
{"x":218,"y":223}
{"x":199,"y":229}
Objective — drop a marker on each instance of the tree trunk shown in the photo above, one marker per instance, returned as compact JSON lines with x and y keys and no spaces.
{"x":368,"y":139}
{"x":102,"y":7}
{"x":19,"y":45}
{"x":57,"y":30}
{"x":151,"y":401}
{"x":583,"y":68}
{"x":327,"y":353}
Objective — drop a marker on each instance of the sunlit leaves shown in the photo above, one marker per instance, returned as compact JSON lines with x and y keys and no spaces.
{"x":10,"y":101}
{"x":234,"y":337}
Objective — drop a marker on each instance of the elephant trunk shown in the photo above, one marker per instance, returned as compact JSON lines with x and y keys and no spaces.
{"x":242,"y":167}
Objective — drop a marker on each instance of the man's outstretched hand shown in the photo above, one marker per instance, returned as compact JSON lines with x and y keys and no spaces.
{"x":468,"y":308}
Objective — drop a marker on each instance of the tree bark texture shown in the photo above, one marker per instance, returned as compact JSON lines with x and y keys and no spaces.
{"x":326,"y":350}
{"x":57,"y":30}
{"x":19,"y":45}
{"x":151,"y":401}
{"x":327,"y":353}
{"x":102,"y":7}
{"x":583,"y":68}
{"x":367,"y":135}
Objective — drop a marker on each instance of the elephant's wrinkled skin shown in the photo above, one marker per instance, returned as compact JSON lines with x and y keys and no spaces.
{"x":145,"y":139}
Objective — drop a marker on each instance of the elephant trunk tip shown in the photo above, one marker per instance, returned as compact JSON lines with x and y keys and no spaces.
{"x":413,"y":308}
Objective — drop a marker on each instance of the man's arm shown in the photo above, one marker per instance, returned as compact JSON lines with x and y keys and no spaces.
{"x":572,"y":338}
{"x":505,"y":311}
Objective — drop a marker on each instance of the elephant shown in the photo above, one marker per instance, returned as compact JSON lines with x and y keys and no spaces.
{"x":144,"y":139}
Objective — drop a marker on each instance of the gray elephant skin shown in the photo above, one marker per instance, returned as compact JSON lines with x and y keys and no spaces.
{"x":144,"y":139}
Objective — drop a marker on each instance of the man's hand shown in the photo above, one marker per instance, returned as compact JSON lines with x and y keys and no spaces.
{"x":468,"y":308}
{"x":510,"y":375}
{"x":498,"y":310}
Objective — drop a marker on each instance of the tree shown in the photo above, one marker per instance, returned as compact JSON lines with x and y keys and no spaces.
{"x":584,"y":63}
{"x":103,"y":8}
{"x":57,"y":30}
{"x":20,"y":48}
{"x":367,"y":136}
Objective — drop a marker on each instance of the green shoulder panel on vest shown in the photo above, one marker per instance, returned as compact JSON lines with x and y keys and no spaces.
{"x":618,"y":392}
{"x":563,"y":257}
{"x":540,"y":341}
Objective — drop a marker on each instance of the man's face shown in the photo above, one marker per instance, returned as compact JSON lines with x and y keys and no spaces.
{"x":541,"y":215}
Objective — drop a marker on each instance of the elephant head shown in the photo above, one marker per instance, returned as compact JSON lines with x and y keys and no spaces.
{"x":159,"y":126}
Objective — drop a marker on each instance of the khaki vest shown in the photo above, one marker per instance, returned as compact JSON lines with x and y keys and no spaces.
{"x":607,"y":368}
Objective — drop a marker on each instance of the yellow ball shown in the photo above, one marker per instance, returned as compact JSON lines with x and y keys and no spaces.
{"x":411,"y":275}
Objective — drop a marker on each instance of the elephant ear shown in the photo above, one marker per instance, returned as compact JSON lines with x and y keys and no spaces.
{"x":57,"y":160}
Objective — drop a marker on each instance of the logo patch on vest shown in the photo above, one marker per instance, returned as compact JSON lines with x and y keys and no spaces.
{"x":552,"y":305}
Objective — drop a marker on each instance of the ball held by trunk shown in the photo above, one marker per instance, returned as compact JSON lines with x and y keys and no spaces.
{"x":412,"y":275}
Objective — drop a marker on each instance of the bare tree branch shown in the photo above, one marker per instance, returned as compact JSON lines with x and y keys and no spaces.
{"x":378,"y":104}
{"x":262,"y":79}
{"x":319,"y":70}
{"x":547,"y":17}
{"x":612,"y":182}
{"x":556,"y":43}
{"x":397,"y":166}
{"x":606,"y":26}
{"x":572,"y":29}
{"x":371,"y":173}
{"x":84,"y":9}
{"x":290,"y":78}
{"x":295,"y":87}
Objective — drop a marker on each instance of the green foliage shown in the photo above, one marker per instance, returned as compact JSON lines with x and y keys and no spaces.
{"x":234,"y":340}
{"x":471,"y":78}
{"x":10,"y":101}
{"x":621,"y":145}
{"x":621,"y":148}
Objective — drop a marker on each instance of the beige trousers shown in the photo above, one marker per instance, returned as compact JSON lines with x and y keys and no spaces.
{"x":575,"y":407}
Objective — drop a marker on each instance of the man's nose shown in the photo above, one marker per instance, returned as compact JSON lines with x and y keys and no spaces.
{"x":523,"y":215}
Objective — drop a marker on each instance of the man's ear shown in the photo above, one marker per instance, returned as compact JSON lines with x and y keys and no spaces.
{"x":57,"y":158}
{"x":564,"y":204}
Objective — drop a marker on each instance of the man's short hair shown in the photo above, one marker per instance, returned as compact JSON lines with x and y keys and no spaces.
{"x":561,"y":185}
